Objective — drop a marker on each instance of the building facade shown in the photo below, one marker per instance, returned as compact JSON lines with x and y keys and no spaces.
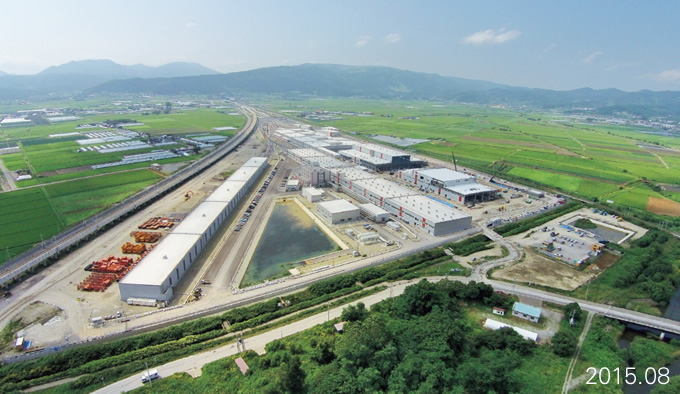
{"x":159,"y":272}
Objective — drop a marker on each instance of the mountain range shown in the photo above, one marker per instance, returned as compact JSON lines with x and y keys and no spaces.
{"x":76,"y":76}
{"x":107,"y":77}
{"x":386,"y":82}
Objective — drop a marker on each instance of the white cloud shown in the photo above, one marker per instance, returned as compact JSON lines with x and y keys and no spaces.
{"x":549,"y":47}
{"x":491,"y":37}
{"x":668,"y":75}
{"x":189,"y":25}
{"x":362,"y":41}
{"x":589,"y":59}
{"x":392,"y":38}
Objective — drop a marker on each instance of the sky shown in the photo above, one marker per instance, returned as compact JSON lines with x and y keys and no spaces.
{"x":628,"y":45}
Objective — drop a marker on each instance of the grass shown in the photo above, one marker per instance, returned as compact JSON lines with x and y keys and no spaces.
{"x":588,"y":161}
{"x":27,"y":216}
{"x":8,"y":334}
{"x":443,"y":268}
{"x":600,"y":350}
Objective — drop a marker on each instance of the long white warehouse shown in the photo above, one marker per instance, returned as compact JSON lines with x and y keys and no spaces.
{"x":162,"y":269}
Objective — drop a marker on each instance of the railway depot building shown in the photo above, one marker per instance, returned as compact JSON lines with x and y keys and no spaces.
{"x":433,"y":216}
{"x":159,"y":272}
{"x":449,"y":184}
{"x":338,"y":211}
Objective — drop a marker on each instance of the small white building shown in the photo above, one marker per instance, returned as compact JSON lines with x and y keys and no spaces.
{"x":368,"y":238}
{"x":496,"y":325}
{"x":312,"y":194}
{"x":293,"y":185}
{"x":374,"y":213}
{"x":338,"y":211}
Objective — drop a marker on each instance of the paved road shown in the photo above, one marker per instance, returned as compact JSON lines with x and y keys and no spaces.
{"x":193,"y":364}
{"x":50,"y":248}
{"x":8,"y":182}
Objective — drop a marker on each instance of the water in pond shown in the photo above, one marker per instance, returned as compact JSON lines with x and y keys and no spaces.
{"x":624,"y":342}
{"x":289,"y":237}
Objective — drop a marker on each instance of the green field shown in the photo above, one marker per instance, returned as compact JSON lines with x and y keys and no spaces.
{"x":586,"y":160}
{"x":54,"y":206}
{"x":26,"y":215}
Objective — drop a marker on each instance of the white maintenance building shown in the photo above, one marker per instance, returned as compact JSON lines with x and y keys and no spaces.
{"x":338,"y":211}
{"x":159,"y":272}
{"x":374,"y":213}
{"x":312,"y":194}
{"x":293,"y":185}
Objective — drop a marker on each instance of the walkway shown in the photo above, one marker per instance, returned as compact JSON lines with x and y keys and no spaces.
{"x":567,"y":381}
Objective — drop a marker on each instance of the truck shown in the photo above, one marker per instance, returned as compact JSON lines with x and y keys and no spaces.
{"x":150,"y":375}
{"x":494,"y":222}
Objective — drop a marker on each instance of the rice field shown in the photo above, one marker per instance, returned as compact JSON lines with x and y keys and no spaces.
{"x":26,"y":215}
{"x":586,"y":160}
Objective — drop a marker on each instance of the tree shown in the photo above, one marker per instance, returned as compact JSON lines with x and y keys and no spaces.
{"x":168,"y":107}
{"x":293,"y":380}
{"x":564,"y":343}
{"x":354,"y":312}
{"x":419,"y":299}
{"x":575,"y":309}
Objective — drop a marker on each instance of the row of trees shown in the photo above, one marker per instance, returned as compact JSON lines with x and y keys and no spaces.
{"x":650,"y":265}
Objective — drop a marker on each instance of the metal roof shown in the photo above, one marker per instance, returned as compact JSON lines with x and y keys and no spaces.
{"x":312,"y":191}
{"x":200,"y":218}
{"x":158,"y":264}
{"x":380,"y":148}
{"x":382,"y":187}
{"x":364,"y":156}
{"x":353,"y":174}
{"x":338,"y":206}
{"x":373,"y":209}
{"x":226,"y":191}
{"x":443,"y":174}
{"x":433,"y":211}
{"x":305,"y":152}
{"x":255,"y":162}
{"x":243,"y":173}
{"x":526,"y":309}
{"x":496,"y":325}
{"x":470,"y":188}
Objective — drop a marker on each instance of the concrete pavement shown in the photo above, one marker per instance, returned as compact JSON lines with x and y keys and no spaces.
{"x":193,"y":364}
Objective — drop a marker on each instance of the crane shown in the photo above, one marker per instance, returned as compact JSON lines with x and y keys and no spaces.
{"x":502,"y":167}
{"x":455,"y":167}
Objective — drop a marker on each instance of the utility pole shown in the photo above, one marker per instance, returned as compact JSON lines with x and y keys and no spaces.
{"x":148,"y":376}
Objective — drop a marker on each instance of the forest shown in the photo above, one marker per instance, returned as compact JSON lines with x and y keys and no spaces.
{"x":420,"y":341}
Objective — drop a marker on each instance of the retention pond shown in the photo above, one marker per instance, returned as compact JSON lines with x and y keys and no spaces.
{"x":289,"y":237}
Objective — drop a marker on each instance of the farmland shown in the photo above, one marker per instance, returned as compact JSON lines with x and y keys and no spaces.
{"x":43,"y":208}
{"x":583,"y":159}
{"x":27,"y":215}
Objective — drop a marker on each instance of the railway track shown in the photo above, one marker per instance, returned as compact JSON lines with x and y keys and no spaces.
{"x":51,"y":248}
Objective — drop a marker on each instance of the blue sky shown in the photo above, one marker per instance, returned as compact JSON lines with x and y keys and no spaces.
{"x":545,"y":44}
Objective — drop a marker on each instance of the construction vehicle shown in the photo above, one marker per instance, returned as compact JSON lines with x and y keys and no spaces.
{"x":188,"y":195}
{"x":500,"y":168}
